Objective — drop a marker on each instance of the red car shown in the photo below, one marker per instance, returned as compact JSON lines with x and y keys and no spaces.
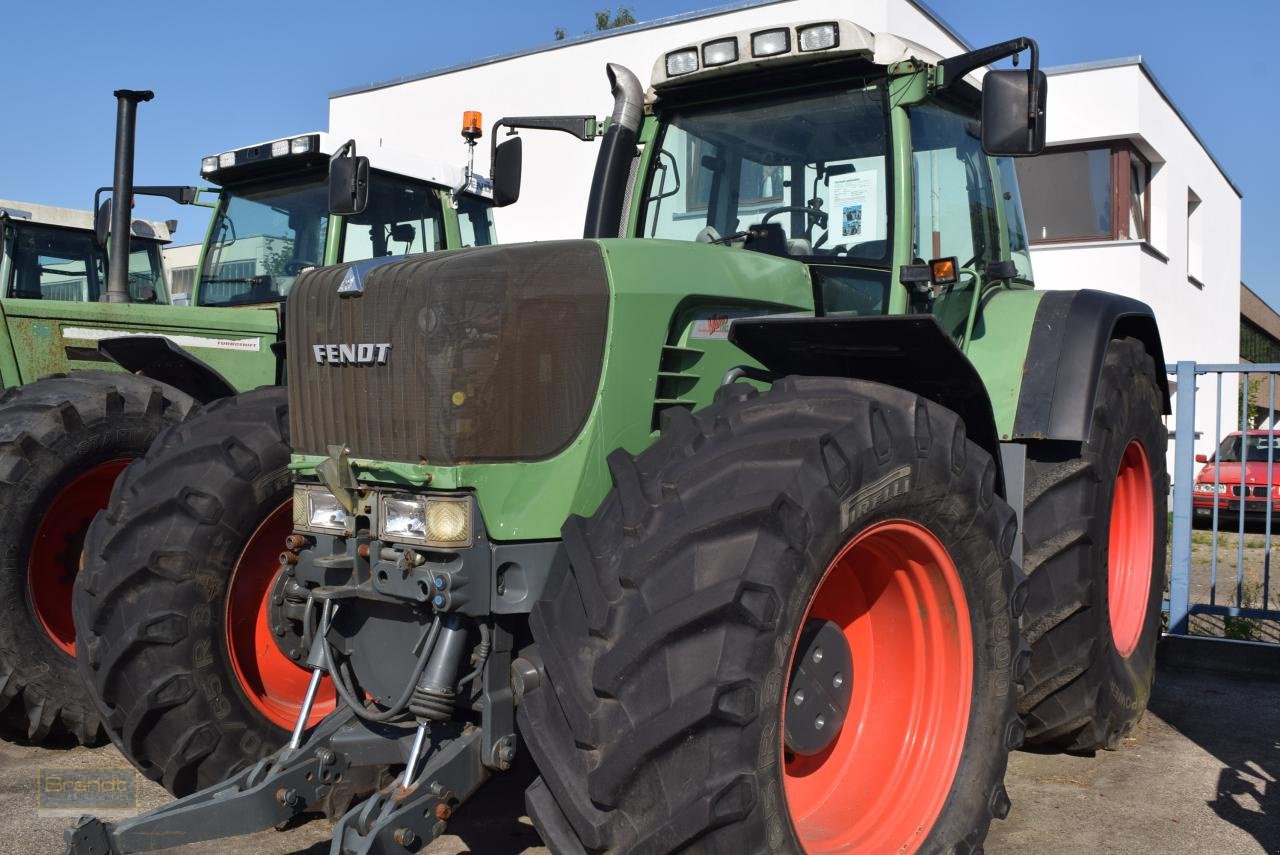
{"x":1248,"y":452}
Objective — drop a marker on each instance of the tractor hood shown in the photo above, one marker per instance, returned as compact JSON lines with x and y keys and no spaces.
{"x":505,"y":369}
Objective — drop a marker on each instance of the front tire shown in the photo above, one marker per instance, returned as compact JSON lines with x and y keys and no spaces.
{"x":188,"y":676}
{"x":63,"y":442}
{"x":828,"y":515}
{"x":1095,"y":525}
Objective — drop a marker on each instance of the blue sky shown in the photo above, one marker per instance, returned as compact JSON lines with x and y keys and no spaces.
{"x":228,"y":75}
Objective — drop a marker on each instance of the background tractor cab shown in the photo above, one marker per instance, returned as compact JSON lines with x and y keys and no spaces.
{"x":273,"y":216}
{"x":49,"y":253}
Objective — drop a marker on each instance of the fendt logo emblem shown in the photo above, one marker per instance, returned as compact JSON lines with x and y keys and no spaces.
{"x":351,"y":354}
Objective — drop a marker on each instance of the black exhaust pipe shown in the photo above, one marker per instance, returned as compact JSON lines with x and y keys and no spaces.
{"x":617,"y":151}
{"x":127,"y":101}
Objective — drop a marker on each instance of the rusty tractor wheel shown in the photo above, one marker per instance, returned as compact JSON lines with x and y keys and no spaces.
{"x":792,"y":626}
{"x":1094,"y":547}
{"x":63,"y":443}
{"x":203,"y":673}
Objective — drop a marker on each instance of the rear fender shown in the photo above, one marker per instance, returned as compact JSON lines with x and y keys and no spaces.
{"x":1069,"y":339}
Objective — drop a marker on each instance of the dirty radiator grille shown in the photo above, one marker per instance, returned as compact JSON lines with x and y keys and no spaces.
{"x":495,"y":354}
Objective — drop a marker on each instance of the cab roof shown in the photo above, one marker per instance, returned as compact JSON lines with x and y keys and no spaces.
{"x":74,"y":218}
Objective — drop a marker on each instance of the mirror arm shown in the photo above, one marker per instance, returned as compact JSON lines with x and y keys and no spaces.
{"x":956,"y":67}
{"x":581,"y":127}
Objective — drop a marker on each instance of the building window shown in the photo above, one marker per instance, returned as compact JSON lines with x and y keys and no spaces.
{"x":1091,"y":192}
{"x":1195,"y":239}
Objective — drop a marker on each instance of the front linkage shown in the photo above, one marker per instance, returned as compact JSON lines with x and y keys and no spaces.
{"x":446,"y":733}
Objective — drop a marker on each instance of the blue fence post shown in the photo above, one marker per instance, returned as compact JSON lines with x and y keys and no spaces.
{"x":1183,"y":476}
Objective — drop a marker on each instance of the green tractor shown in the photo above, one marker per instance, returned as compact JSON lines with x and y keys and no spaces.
{"x":719,"y":515}
{"x":95,"y":372}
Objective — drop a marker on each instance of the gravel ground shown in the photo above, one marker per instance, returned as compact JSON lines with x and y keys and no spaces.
{"x":1200,"y":774}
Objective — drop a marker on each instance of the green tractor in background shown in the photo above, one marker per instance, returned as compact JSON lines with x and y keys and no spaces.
{"x":721,"y":514}
{"x":95,"y":373}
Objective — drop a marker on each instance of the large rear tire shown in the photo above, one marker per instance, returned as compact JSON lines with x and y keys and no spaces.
{"x":173,"y":602}
{"x":63,"y":442}
{"x":1094,"y":549}
{"x":826,"y":524}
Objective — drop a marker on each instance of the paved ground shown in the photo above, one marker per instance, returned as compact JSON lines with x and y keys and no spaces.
{"x":1201,"y":774}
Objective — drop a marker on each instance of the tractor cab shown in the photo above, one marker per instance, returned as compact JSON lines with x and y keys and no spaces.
{"x":860,"y":155}
{"x":49,"y":253}
{"x":272,"y":219}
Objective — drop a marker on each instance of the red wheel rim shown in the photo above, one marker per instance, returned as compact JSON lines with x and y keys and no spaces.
{"x":1131,"y":549}
{"x":272,"y":682}
{"x":881,"y":784}
{"x":55,"y":550}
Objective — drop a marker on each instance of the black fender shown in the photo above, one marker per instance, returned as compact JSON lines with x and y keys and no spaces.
{"x":158,"y":358}
{"x":1069,"y":338}
{"x":911,"y":352}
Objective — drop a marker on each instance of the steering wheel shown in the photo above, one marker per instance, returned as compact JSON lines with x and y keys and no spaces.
{"x":293,"y":268}
{"x":816,"y":214}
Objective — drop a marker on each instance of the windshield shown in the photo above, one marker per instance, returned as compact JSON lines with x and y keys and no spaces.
{"x":801,"y":176}
{"x":1255,"y":448}
{"x":261,"y":240}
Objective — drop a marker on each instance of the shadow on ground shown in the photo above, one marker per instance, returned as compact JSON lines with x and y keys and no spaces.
{"x":1226,"y":718}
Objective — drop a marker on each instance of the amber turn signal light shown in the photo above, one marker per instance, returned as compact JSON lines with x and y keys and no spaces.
{"x":945,"y":270}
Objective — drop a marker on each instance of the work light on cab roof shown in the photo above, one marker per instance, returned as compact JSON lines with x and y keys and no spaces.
{"x":304,"y":144}
{"x":746,"y":48}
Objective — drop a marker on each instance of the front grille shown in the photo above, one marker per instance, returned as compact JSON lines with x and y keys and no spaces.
{"x":1255,"y":492}
{"x":495,"y":354}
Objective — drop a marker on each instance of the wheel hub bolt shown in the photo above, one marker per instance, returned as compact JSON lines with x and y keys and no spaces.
{"x":404,"y":837}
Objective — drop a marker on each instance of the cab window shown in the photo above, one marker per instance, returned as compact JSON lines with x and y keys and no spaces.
{"x":54,"y":264}
{"x":954,"y":203}
{"x":402,"y":217}
{"x":475,"y":221}
{"x":146,"y":275}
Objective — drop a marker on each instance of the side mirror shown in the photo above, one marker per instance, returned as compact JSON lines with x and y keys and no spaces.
{"x":348,"y":181}
{"x":1011,"y":125}
{"x":507,"y":161}
{"x":1202,"y":458}
{"x":102,"y":223}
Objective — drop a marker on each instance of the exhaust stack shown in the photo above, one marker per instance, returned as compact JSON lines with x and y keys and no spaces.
{"x":617,"y":151}
{"x":127,"y":101}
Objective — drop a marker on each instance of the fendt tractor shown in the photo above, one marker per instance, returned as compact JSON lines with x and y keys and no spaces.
{"x":50,"y":253}
{"x":65,"y":439}
{"x":719,"y":514}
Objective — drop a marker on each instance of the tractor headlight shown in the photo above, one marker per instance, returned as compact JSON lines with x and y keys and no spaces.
{"x":818,"y":37}
{"x":227,"y":159}
{"x":300,"y":145}
{"x":682,"y":62}
{"x":316,"y":509}
{"x":279,"y":147}
{"x":720,"y":52}
{"x":770,"y":42}
{"x":430,"y":520}
{"x":209,"y":164}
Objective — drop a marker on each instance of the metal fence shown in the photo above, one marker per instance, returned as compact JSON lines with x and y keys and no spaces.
{"x":1224,"y":500}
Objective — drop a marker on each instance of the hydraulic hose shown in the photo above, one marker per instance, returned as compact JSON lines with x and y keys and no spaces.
{"x":427,"y":643}
{"x":617,"y":150}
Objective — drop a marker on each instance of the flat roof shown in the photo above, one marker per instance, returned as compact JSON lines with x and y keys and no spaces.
{"x":1124,"y":61}
{"x":640,"y":26}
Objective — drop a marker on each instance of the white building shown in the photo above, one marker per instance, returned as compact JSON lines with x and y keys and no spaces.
{"x":1127,"y":198}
